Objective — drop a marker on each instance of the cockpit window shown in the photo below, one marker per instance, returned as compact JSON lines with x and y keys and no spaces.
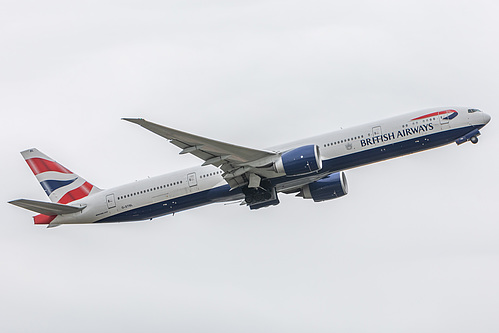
{"x":473,"y":110}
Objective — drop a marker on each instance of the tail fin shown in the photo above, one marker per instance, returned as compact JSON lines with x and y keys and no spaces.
{"x":61,"y":185}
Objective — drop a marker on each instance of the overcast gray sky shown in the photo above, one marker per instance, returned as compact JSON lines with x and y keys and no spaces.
{"x":413,"y":247}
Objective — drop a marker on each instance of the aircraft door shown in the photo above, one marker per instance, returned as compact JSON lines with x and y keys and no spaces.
{"x":444,"y":120}
{"x":376,"y":135}
{"x":377,"y":131}
{"x":111,"y":203}
{"x":192,"y":180}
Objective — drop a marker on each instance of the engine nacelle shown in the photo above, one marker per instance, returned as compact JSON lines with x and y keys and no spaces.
{"x":299,"y":161}
{"x":331,"y":187}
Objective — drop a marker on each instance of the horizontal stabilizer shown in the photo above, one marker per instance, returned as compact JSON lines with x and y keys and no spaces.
{"x":46,"y":208}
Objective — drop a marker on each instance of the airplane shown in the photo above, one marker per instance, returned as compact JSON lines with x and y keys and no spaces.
{"x":311,"y":168}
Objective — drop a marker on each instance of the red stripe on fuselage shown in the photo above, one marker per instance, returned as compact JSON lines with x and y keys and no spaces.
{"x":76,"y":194}
{"x":434,"y":114}
{"x":44,"y":219}
{"x":40,"y":165}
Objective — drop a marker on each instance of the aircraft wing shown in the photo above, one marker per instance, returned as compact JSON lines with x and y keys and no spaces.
{"x":232,"y":159}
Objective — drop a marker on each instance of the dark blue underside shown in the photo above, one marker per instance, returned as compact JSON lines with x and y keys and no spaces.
{"x":223,"y":193}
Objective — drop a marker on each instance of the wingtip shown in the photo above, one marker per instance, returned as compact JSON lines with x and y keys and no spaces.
{"x":133,"y":120}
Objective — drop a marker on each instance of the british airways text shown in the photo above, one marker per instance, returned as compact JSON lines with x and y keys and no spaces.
{"x":400,"y":134}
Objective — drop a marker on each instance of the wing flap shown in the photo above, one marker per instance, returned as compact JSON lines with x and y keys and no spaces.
{"x":46,"y":208}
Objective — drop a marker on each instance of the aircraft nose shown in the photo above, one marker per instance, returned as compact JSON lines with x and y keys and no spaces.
{"x":486,"y":118}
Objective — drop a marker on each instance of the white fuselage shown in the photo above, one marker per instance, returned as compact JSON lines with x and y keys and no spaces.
{"x":339,"y":150}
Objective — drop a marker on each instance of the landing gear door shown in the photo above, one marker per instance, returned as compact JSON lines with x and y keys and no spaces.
{"x":111,"y":203}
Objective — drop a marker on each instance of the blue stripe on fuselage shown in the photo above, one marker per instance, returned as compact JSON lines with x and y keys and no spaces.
{"x":223,"y":193}
{"x":451,"y":116}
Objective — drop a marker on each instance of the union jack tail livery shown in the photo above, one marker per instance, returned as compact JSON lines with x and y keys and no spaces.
{"x":61,"y":185}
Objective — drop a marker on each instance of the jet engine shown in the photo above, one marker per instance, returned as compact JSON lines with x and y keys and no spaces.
{"x":330,"y":187}
{"x":299,"y":161}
